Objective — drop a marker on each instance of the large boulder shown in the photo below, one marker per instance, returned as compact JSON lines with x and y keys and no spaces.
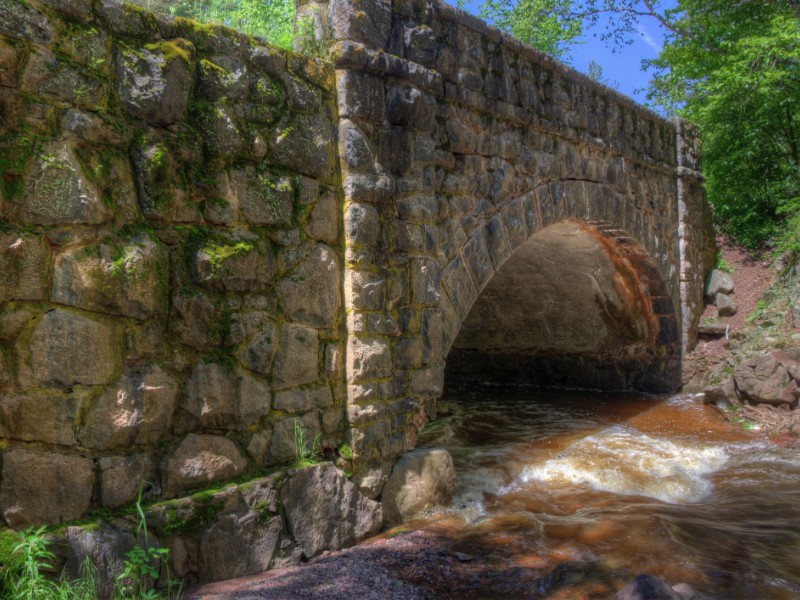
{"x":719,"y":282}
{"x":420,"y":480}
{"x":325,"y":511}
{"x":106,"y":549}
{"x":770,"y":378}
{"x":236,"y":546}
{"x":198,"y":461}
{"x":40,"y":487}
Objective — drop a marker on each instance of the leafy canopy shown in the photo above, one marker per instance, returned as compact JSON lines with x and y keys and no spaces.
{"x":272,"y":20}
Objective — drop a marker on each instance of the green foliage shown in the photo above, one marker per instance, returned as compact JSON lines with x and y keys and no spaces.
{"x":272,"y":20}
{"x":545,"y":24}
{"x":305,"y":456}
{"x":736,"y":73}
{"x":721,"y":264}
{"x":24,"y":577}
{"x":143,"y":564}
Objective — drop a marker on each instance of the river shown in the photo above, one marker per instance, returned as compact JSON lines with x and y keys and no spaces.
{"x":591,"y":490}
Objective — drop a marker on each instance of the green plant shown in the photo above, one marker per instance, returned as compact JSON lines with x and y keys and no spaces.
{"x":305,"y":456}
{"x":721,"y":264}
{"x":758,"y":311}
{"x":345,"y":451}
{"x":143,"y":564}
{"x":24,"y":579}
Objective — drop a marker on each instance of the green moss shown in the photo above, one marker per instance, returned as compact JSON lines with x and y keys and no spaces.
{"x":172,"y":49}
{"x":345,"y":451}
{"x":17,"y":148}
{"x":218,"y":253}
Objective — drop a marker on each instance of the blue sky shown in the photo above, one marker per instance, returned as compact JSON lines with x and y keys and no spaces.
{"x":622,"y":67}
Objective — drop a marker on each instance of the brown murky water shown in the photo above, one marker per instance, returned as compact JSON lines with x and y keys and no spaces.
{"x":586,"y":491}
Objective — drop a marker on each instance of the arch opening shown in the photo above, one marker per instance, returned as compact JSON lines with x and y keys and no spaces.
{"x":579,"y":305}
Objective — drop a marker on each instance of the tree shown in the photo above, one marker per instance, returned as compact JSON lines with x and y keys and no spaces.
{"x":732,"y":67}
{"x":273,"y":20}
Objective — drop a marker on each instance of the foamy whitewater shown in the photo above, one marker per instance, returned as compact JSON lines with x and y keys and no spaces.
{"x":625,"y":461}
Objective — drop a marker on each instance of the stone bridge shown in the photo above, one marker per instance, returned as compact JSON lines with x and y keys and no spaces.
{"x":205,"y":241}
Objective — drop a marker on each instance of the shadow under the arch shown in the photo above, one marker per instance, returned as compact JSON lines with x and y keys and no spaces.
{"x":579,"y":305}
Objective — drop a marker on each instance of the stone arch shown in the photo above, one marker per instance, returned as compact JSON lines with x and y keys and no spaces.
{"x":641,"y":343}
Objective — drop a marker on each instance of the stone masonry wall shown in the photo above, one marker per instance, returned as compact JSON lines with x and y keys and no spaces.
{"x":204,"y":240}
{"x":170,"y":262}
{"x":457,"y":144}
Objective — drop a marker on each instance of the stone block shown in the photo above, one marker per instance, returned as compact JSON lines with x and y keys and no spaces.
{"x":726,"y":305}
{"x":432,"y":331}
{"x":264,"y":199}
{"x":198,"y":461}
{"x":18,"y":20}
{"x":259,"y":353}
{"x":238,"y":545}
{"x":497,"y":242}
{"x":368,"y":359}
{"x":121,"y":477}
{"x":36,"y":416}
{"x":57,"y":193}
{"x":39,"y":487}
{"x":235,"y":264}
{"x":219,"y":399}
{"x":356,"y":146}
{"x":362,"y":225}
{"x":425,"y":282}
{"x":477,"y":257}
{"x":420,"y":480}
{"x":24,"y":267}
{"x":303,"y":400}
{"x":282,"y":445}
{"x":225,"y":77}
{"x":369,"y":187}
{"x":364,"y":290}
{"x":459,"y":287}
{"x":324,"y":222}
{"x":125,"y":278}
{"x":222,"y":136}
{"x":51,"y":77}
{"x":258,"y":446}
{"x":154,"y":82}
{"x":409,"y":107}
{"x":297,"y":359}
{"x":513,"y":216}
{"x":66,"y":348}
{"x":719,"y":282}
{"x":366,"y":21}
{"x":192,"y":319}
{"x":137,"y":410}
{"x":325,"y":511}
{"x":360,"y":96}
{"x":310,"y":293}
{"x":305,"y":144}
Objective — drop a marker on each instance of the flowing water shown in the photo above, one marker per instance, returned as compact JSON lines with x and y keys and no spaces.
{"x":588,"y":490}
